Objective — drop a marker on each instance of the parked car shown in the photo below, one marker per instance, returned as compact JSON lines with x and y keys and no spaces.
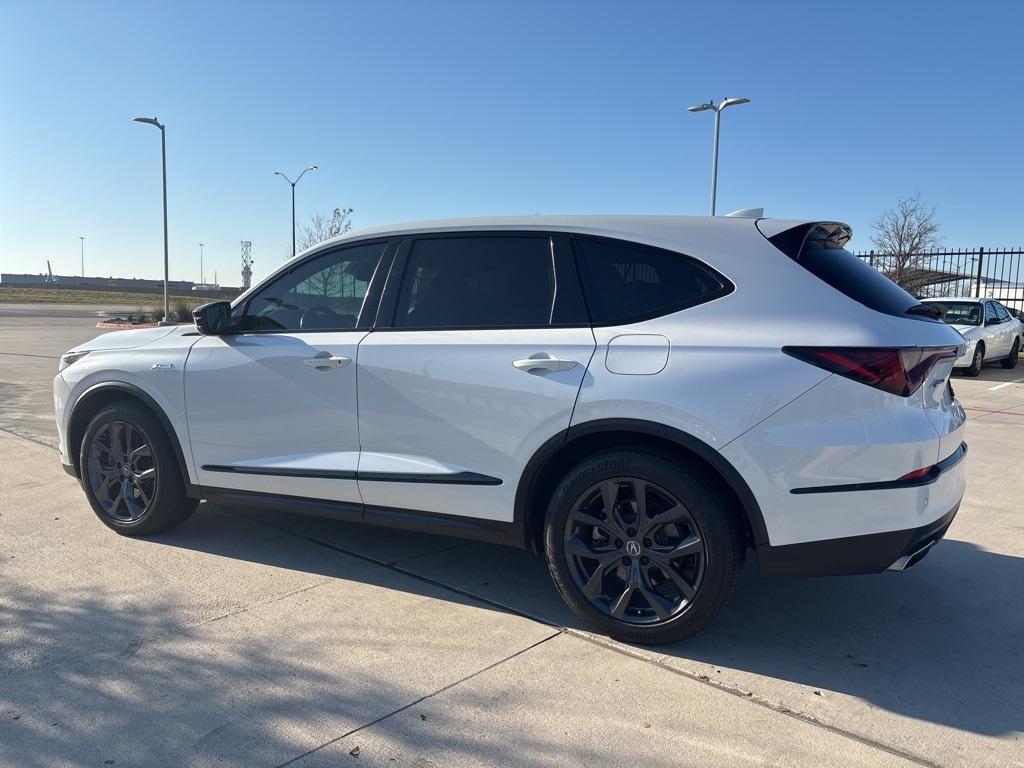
{"x":991,"y":331}
{"x":644,"y":400}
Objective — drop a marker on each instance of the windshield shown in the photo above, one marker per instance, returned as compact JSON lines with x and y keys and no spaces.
{"x":962,"y":312}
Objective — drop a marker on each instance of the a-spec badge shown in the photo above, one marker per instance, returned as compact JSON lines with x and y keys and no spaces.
{"x":162,"y":366}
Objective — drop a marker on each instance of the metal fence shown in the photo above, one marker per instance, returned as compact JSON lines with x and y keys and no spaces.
{"x":981,"y":272}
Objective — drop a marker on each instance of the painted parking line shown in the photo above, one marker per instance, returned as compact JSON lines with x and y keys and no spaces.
{"x":1005,"y":384}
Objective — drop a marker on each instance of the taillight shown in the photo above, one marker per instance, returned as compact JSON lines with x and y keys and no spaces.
{"x":917,"y":474}
{"x":900,"y":371}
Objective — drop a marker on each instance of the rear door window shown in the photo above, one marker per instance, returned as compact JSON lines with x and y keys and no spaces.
{"x":627,"y":282}
{"x":477,"y":282}
{"x":1001,"y":312}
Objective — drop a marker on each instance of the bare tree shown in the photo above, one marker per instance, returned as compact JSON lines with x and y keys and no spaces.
{"x":329,"y":282}
{"x":323,"y":227}
{"x":904,"y":235}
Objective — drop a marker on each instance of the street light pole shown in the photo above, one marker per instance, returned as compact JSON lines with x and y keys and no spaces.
{"x":82,"y":238}
{"x":163,"y":167}
{"x":293,"y":183}
{"x":714,"y":150}
{"x":202,"y":278}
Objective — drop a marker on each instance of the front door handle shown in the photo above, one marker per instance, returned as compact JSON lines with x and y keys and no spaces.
{"x":325,"y":361}
{"x":543,"y":362}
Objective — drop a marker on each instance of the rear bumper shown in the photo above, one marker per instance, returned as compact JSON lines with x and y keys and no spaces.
{"x":967,"y":358}
{"x":868,"y":553}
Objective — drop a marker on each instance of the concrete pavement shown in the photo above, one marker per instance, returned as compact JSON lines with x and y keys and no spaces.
{"x":267,"y":639}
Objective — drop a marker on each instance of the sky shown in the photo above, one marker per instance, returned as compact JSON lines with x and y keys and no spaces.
{"x":419,"y":110}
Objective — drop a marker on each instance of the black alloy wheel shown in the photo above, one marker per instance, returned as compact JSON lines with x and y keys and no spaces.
{"x":634,"y":550}
{"x":131,"y":472}
{"x":643,"y":547}
{"x":121,"y":471}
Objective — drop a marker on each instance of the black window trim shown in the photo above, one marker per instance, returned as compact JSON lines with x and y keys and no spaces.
{"x":565,"y":274}
{"x":727,"y":285}
{"x":371,"y":301}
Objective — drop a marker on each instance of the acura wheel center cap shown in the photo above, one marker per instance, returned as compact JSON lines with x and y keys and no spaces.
{"x":633,"y":548}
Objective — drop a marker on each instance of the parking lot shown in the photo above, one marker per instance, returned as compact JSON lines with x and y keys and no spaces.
{"x":269,"y":640}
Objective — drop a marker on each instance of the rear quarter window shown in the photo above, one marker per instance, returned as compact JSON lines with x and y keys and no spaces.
{"x":626,"y":282}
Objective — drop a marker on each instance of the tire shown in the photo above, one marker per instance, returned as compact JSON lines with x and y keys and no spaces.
{"x":674,"y":596}
{"x":977,"y":363}
{"x":130,"y":472}
{"x":1011,"y":360}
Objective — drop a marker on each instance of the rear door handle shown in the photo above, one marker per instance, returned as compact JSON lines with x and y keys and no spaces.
{"x":543,"y":362}
{"x":325,"y":361}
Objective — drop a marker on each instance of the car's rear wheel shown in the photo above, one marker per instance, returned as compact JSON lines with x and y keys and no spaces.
{"x":131,"y":474}
{"x":640,"y":547}
{"x":1011,"y":360}
{"x":977,"y":362}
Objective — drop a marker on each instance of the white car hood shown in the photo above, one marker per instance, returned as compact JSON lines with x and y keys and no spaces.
{"x":131,"y":339}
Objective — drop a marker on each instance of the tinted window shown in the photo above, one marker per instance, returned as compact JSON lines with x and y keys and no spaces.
{"x":818,"y":248}
{"x":325,"y":293}
{"x":962,"y":312}
{"x":858,"y":280}
{"x":1001,"y":312}
{"x":477,"y":282}
{"x":990,"y":311}
{"x":624,"y":282}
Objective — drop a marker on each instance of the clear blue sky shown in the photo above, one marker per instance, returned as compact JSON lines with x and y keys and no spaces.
{"x":420,"y":110}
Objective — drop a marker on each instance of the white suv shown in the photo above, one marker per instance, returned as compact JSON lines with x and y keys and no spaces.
{"x":642,"y":399}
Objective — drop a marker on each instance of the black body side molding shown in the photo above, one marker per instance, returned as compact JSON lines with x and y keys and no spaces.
{"x":886,"y":485}
{"x":451,"y":478}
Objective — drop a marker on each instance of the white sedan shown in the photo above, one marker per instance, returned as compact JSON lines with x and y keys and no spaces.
{"x":991,"y":331}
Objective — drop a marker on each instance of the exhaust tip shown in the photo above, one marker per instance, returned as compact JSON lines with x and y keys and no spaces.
{"x":913,"y":558}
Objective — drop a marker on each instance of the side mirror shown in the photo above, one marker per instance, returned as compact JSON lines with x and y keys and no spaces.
{"x":992,"y":321}
{"x":213,"y":319}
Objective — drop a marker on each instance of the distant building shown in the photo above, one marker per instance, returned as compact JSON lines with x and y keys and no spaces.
{"x":126,"y":284}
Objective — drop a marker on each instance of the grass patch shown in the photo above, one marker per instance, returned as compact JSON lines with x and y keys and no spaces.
{"x":16,"y":294}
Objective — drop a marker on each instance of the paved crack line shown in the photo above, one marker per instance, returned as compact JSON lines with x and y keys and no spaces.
{"x":982,"y":412}
{"x":31,"y":439}
{"x":781,"y":709}
{"x":443,"y":550}
{"x":423,"y":698}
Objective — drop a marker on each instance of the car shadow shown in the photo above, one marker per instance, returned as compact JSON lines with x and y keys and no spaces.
{"x":992,"y":372}
{"x":943,"y":642}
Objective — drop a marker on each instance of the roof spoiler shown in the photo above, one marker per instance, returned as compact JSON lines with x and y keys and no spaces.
{"x":794,"y":238}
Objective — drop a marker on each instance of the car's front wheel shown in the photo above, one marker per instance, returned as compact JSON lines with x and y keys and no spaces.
{"x":1011,"y":359}
{"x":641,"y":547}
{"x":130,"y":472}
